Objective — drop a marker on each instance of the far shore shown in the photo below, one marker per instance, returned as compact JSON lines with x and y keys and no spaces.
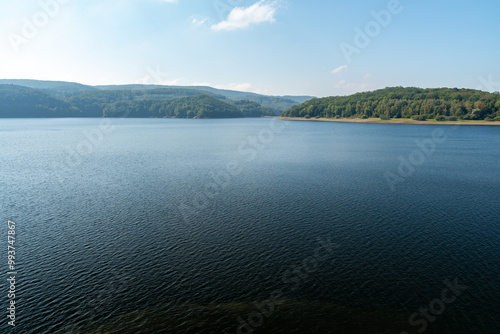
{"x":391,"y":121}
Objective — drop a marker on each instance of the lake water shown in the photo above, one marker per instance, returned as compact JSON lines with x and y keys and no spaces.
{"x":179,"y":226}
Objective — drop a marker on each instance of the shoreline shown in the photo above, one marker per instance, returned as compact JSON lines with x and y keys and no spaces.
{"x":392,"y":121}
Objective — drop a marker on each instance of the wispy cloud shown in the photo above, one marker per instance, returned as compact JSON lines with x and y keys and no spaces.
{"x":352,"y":87}
{"x":339,"y":69}
{"x":242,"y":87}
{"x":198,"y":20}
{"x":150,"y":81}
{"x":157,"y":77}
{"x":243,"y":17}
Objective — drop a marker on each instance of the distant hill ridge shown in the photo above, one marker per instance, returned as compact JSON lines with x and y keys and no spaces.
{"x":77,"y":101}
{"x":67,"y":90}
{"x":34,"y":98}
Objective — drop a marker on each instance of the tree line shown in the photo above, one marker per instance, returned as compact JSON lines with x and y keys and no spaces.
{"x":200,"y":106}
{"x":18,"y":101}
{"x":398,"y":102}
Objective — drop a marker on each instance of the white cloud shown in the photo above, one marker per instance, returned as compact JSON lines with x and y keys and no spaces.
{"x":157,"y":77}
{"x":242,"y":87}
{"x":339,"y":69}
{"x":147,"y":80}
{"x":198,"y":21}
{"x":353,"y":87}
{"x":232,"y":86}
{"x":243,"y":17}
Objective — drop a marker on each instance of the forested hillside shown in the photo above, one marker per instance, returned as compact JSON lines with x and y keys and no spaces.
{"x":17,"y":101}
{"x":398,"y":102}
{"x":200,"y":106}
{"x":276,"y":103}
{"x":92,"y":100}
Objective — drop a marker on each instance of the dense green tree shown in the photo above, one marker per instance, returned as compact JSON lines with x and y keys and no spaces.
{"x":399,"y":102}
{"x":200,"y":106}
{"x":251,"y":109}
{"x":17,"y":101}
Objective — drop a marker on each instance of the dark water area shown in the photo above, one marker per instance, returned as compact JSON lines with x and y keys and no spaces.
{"x":250,"y":225}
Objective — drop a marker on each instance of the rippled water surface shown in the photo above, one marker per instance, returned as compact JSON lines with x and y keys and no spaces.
{"x":234,"y":226}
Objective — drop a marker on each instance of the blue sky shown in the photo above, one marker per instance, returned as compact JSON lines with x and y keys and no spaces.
{"x":276,"y":47}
